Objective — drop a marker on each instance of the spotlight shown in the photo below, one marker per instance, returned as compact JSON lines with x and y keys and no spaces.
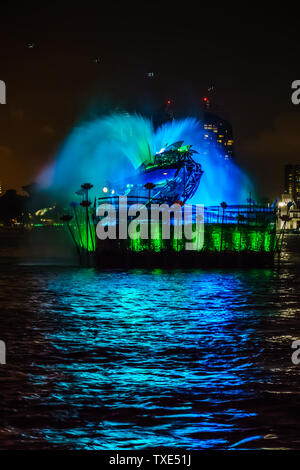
{"x":105,"y":189}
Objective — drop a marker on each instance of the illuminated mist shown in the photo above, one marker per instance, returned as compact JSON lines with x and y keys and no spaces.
{"x":109,"y":148}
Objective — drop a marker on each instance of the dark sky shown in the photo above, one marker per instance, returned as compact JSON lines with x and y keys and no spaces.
{"x":251,"y":54}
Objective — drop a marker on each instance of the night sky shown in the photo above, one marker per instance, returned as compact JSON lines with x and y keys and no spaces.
{"x":251,"y":56}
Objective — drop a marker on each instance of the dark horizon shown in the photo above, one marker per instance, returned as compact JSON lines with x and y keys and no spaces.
{"x":251,"y":57}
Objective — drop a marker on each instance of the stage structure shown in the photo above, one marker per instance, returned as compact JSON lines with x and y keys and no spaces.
{"x":233,"y":234}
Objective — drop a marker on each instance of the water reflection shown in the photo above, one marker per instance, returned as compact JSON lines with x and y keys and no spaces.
{"x":115,"y":360}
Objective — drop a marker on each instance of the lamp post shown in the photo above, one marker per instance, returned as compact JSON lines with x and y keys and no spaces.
{"x":240,"y":218}
{"x":149,"y":186}
{"x":224,"y":207}
{"x":86,"y":203}
{"x":74,"y":206}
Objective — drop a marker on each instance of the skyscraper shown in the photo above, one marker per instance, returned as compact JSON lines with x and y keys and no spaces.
{"x":292,"y":182}
{"x":217,"y":129}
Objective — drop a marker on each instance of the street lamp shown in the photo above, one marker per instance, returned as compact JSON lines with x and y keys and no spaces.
{"x":149,"y":186}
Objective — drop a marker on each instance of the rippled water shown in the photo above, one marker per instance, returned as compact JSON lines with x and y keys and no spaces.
{"x":141,"y":359}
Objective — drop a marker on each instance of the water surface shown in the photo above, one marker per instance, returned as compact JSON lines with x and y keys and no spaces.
{"x":144,"y":359}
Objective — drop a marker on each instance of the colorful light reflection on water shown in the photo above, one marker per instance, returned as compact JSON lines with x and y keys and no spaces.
{"x":115,"y":360}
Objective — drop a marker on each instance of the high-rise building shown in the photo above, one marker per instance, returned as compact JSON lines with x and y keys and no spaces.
{"x":217,"y":130}
{"x":292,"y":182}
